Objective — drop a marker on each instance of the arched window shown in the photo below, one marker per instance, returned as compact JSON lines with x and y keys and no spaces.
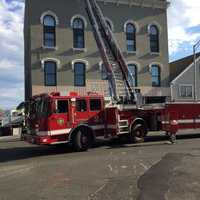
{"x":156,"y":75}
{"x":154,"y":39}
{"x":109,"y":24}
{"x":49,"y":27}
{"x":79,"y":74}
{"x":103,"y":72}
{"x":50,"y":73}
{"x":133,"y":75}
{"x":78,"y":32}
{"x":130,"y":37}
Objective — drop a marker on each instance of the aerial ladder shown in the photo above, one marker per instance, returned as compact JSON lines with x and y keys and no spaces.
{"x":118,"y":75}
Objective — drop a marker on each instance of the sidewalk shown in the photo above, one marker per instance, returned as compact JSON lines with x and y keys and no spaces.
{"x":9,"y":138}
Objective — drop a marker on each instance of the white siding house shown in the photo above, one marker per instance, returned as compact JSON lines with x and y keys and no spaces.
{"x":184,"y":87}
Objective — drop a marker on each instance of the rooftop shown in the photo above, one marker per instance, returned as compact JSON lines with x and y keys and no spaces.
{"x":176,"y":67}
{"x":145,"y":3}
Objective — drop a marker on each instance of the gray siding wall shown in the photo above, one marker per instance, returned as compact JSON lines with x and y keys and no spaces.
{"x":186,"y":78}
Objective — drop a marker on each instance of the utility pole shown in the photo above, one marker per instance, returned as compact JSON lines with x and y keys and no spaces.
{"x":195,"y":47}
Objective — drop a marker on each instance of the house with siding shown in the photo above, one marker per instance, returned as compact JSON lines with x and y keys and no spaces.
{"x":185,"y":79}
{"x":61,"y":53}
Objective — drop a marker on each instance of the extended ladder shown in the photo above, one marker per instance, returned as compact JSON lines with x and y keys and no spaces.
{"x":117,"y":70}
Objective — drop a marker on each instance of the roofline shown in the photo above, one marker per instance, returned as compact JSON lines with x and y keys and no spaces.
{"x":198,"y":54}
{"x":144,"y":3}
{"x":187,"y":68}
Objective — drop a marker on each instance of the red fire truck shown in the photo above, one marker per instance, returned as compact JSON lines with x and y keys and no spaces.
{"x":79,"y":120}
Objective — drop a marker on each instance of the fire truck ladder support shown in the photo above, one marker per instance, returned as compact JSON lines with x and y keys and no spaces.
{"x":118,"y":74}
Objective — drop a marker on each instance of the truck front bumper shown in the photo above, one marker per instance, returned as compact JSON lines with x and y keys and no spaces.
{"x":39,"y":140}
{"x":46,"y":140}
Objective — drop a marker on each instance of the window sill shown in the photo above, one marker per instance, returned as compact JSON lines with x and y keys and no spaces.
{"x":50,"y":48}
{"x":156,"y":86}
{"x":131,"y":52}
{"x":81,"y":86}
{"x":183,"y":97}
{"x":79,"y":49}
{"x":155,"y":53}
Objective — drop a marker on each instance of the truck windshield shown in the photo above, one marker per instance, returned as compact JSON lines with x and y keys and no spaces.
{"x":39,"y":107}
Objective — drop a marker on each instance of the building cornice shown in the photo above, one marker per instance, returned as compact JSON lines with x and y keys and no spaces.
{"x":162,"y":4}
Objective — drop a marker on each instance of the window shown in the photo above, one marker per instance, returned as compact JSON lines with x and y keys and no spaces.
{"x":50,"y":73}
{"x":186,"y":91}
{"x":130,"y":37}
{"x":49,"y":26}
{"x":109,"y":24}
{"x":78,"y":31}
{"x":95,"y":104}
{"x":133,"y":75}
{"x":81,"y":105}
{"x":62,"y":106}
{"x":79,"y":74}
{"x":154,"y":39}
{"x":103,"y":72}
{"x":155,"y":75}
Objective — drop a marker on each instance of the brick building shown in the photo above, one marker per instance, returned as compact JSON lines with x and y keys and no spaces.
{"x":61,"y":53}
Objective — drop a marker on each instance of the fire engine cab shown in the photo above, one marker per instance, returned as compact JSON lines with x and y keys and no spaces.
{"x":55,"y":119}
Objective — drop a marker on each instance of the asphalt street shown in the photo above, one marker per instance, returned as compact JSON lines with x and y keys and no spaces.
{"x":154,"y":170}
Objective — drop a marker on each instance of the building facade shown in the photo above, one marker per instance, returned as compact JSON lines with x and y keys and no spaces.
{"x":186,"y":85}
{"x":61,"y":53}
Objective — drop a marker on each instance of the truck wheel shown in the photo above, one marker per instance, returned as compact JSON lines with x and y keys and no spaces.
{"x":138,"y":133}
{"x":82,"y":140}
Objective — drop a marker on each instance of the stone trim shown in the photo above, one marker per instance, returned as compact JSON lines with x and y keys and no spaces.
{"x":80,"y":61}
{"x":78,"y":16}
{"x":131,"y":22}
{"x":154,"y":23}
{"x":51,"y":13}
{"x":135,"y":63}
{"x":156,"y":63}
{"x":111,"y":23}
{"x":50,"y":59}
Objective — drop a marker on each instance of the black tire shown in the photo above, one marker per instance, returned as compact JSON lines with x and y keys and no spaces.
{"x":138,"y":133}
{"x":82,"y":140}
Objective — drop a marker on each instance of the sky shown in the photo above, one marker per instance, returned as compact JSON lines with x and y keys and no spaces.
{"x":183,"y":28}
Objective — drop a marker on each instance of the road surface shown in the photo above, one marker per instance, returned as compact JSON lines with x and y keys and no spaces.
{"x":154,"y":170}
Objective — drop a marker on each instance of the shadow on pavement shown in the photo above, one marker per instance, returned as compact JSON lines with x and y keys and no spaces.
{"x":19,"y":153}
{"x":151,"y":141}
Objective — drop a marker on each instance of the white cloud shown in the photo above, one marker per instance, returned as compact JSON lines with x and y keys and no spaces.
{"x":183,"y":15}
{"x":14,"y":93}
{"x":11,"y":52}
{"x":6,"y":64}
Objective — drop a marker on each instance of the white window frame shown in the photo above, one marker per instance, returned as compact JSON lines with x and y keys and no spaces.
{"x":137,"y":30}
{"x":111,"y":23}
{"x":85,"y":26}
{"x":185,"y":97}
{"x":100,"y":69}
{"x":50,"y":59}
{"x":50,"y":13}
{"x":87,"y":65}
{"x":154,"y":23}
